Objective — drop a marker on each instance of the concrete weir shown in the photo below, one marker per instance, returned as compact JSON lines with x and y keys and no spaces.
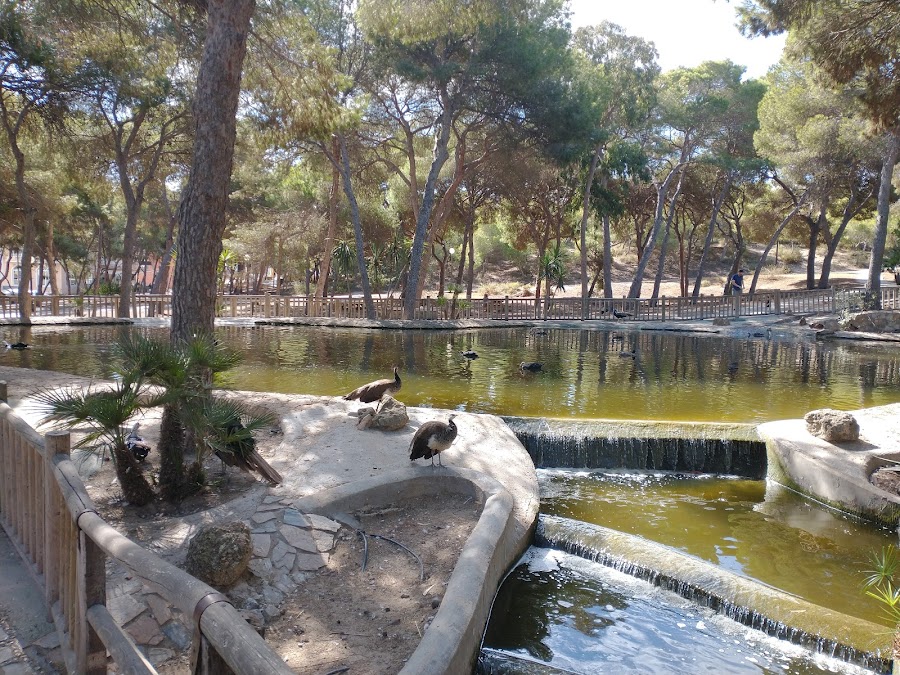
{"x":731,"y":449}
{"x":747,"y":601}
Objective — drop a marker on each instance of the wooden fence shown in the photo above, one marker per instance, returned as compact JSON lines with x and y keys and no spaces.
{"x":444,"y":308}
{"x":64,"y":543}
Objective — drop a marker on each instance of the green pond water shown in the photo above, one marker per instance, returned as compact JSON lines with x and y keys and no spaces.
{"x":752,"y":528}
{"x":672,"y":377}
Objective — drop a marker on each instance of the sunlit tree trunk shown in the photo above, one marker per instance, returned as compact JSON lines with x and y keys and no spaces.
{"x":202,"y":211}
{"x":876,"y":260}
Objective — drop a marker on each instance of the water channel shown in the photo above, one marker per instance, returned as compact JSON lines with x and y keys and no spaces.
{"x":553,"y":615}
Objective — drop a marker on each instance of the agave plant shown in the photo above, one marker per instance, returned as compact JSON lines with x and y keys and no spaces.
{"x":106,"y":413}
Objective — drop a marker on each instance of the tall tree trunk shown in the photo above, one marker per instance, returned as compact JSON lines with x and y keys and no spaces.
{"x":661,"y":193}
{"x":51,"y":259}
{"x":585,"y":212}
{"x":717,"y":206}
{"x":876,"y":260}
{"x":661,"y":265}
{"x":128,"y":244}
{"x":357,"y":228}
{"x":12,"y":124}
{"x":442,"y":209}
{"x":161,"y":279}
{"x":773,"y":239}
{"x":202,"y":211}
{"x":815,"y":227}
{"x":325,"y":264}
{"x":442,"y":139}
{"x":470,"y":275}
{"x":854,"y":204}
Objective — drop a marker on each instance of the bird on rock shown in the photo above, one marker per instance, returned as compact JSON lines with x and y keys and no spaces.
{"x":16,"y":345}
{"x":137,"y":445}
{"x":469,"y":354}
{"x":373,"y":391}
{"x":240,"y":451}
{"x":431,"y":439}
{"x":531,"y":366}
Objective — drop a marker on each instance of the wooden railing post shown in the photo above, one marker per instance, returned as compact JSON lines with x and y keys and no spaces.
{"x":90,"y":654}
{"x":55,"y":443}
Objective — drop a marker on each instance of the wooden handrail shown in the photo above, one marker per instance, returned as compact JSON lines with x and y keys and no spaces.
{"x":71,"y":546}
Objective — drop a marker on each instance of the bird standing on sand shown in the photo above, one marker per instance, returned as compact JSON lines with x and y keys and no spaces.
{"x":431,"y":439}
{"x":531,"y":366}
{"x":16,"y":345}
{"x":373,"y":391}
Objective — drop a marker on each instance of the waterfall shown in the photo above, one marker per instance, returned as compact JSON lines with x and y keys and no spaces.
{"x":732,"y":449}
{"x":741,"y":599}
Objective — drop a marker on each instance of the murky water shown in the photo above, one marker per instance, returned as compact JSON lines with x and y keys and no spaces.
{"x":753,"y":528}
{"x":581,"y":617}
{"x":671,"y":377}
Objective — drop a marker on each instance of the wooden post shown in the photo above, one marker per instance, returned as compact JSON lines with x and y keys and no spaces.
{"x":3,"y":391}
{"x":90,"y":653}
{"x":55,"y":443}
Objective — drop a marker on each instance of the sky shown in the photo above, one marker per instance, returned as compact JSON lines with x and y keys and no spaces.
{"x":685,"y":32}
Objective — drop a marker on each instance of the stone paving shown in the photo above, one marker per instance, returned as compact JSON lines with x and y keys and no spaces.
{"x":287,"y":546}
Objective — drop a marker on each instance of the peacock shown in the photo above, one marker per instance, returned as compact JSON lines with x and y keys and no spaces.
{"x":431,"y":439}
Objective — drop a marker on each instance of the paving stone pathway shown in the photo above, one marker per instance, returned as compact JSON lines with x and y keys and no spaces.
{"x":287,"y":546}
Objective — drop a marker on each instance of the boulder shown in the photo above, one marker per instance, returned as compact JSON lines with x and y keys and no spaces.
{"x":833,"y":426}
{"x":391,"y":416}
{"x":873,"y":321}
{"x":219,"y":554}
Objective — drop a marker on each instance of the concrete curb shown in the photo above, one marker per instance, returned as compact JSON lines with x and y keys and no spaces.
{"x":451,"y":643}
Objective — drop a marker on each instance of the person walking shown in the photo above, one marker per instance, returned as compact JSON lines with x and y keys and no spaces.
{"x":737,"y":282}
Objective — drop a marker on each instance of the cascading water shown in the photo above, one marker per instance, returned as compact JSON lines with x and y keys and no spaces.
{"x":732,"y":449}
{"x":739,"y":598}
{"x":772,"y":526}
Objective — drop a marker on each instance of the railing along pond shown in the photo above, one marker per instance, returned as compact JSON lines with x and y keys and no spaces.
{"x":442,"y":308}
{"x":64,"y":543}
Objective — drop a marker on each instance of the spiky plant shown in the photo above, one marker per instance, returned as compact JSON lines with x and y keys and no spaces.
{"x":880,"y":582}
{"x":106,"y":413}
{"x":186,"y":373}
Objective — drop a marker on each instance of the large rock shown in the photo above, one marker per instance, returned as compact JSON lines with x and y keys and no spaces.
{"x":873,"y":321}
{"x":833,"y":426}
{"x":391,"y":416}
{"x":219,"y":554}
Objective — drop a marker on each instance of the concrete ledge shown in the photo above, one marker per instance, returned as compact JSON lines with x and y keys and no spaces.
{"x":451,"y":643}
{"x":839,"y":474}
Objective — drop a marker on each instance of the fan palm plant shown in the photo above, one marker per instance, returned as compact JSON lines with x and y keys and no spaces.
{"x":106,"y":413}
{"x":191,"y":415}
